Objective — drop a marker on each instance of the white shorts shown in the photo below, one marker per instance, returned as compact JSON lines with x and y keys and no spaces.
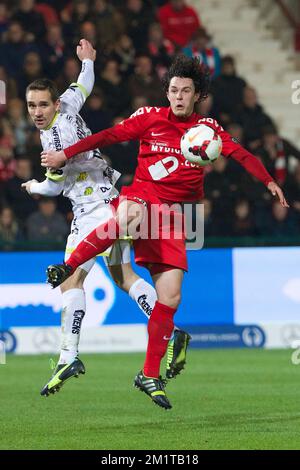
{"x":84,"y":222}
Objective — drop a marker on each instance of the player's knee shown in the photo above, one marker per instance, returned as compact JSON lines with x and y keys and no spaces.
{"x":122,"y":278}
{"x":75,"y":281}
{"x":129,"y":216}
{"x":119,"y":280}
{"x":172,"y":301}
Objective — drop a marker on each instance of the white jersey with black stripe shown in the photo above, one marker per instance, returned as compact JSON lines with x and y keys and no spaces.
{"x":86,"y":178}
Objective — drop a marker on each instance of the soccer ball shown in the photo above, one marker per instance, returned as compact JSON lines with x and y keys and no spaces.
{"x":201,"y":144}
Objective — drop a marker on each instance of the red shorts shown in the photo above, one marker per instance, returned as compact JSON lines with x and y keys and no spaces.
{"x":166,"y":246}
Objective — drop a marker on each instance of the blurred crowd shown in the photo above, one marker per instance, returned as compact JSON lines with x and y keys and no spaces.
{"x":135,"y":41}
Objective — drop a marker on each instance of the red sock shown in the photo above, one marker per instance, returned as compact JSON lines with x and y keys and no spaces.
{"x":96,"y":242}
{"x":160,"y":328}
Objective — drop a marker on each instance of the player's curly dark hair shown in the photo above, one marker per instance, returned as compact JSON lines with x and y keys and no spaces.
{"x":187,"y":67}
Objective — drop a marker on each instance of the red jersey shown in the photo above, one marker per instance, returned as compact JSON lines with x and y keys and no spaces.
{"x":160,"y":160}
{"x":178,"y":25}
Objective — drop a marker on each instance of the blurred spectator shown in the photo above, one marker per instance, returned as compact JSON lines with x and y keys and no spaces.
{"x":88,"y":31}
{"x":47,"y":224}
{"x":95,"y":113}
{"x":205,"y":107}
{"x":277,"y":154}
{"x":124,"y":53}
{"x":236,"y":131}
{"x":209,"y":224}
{"x":178,"y":22}
{"x":31,"y":20}
{"x":4,"y":18}
{"x":34,"y":149}
{"x":220,"y":186}
{"x":10,"y":86}
{"x":69,"y":74}
{"x":76,"y":12}
{"x":281,"y":222}
{"x":73,"y":15}
{"x":145,"y":82}
{"x":48,"y":13}
{"x":123,"y":157}
{"x":253,"y":119}
{"x":201,"y":47}
{"x":53,"y":51}
{"x":114,"y":89}
{"x":7,"y":161}
{"x":10,"y":232}
{"x":138,"y":102}
{"x":228,"y":91}
{"x":32,"y":69}
{"x":109,"y":24}
{"x":243,"y":224}
{"x":14,"y":49}
{"x":138,"y":16}
{"x":19,"y":124}
{"x":22,"y":204}
{"x":160,"y":49}
{"x":292,"y":188}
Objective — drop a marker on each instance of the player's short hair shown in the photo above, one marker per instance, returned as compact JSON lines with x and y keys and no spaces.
{"x":44,"y":84}
{"x":186,"y":67}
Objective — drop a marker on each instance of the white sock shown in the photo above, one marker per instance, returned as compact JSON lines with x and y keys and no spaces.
{"x":72,"y":315}
{"x":145,"y":296}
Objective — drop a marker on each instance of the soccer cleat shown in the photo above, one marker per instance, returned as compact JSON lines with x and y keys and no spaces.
{"x":155,"y":388}
{"x":58,"y":273}
{"x":61,"y":374}
{"x":176,"y":353}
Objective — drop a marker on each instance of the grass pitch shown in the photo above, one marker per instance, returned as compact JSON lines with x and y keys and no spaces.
{"x":225,"y":399}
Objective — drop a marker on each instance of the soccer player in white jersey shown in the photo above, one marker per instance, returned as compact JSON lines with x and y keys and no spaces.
{"x":88,"y":182}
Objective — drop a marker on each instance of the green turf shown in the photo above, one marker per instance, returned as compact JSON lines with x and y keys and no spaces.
{"x":226,"y":399}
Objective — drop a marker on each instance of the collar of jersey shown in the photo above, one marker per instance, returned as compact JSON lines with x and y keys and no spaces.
{"x":174,"y":118}
{"x":52,"y":122}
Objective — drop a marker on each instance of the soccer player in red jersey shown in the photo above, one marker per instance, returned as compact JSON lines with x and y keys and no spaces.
{"x":163,"y":177}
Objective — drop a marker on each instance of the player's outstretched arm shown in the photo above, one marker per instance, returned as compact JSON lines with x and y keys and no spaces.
{"x":45,"y":188}
{"x":251,"y":164}
{"x":74,"y":97}
{"x":86,"y":79}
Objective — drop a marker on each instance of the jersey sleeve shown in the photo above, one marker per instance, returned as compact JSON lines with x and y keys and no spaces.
{"x":129,"y":129}
{"x":57,"y":176}
{"x":252,"y":164}
{"x":74,"y":97}
{"x":47,"y":187}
